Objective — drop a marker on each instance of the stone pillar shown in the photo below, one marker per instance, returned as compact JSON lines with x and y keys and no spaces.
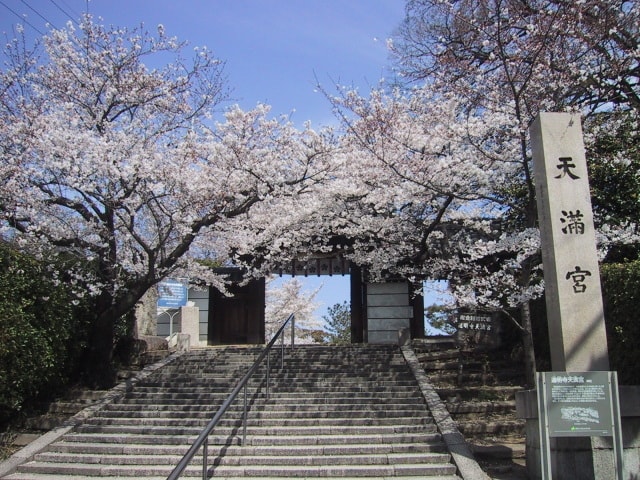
{"x":575,"y":313}
{"x":572,"y":280}
{"x":190,"y":324}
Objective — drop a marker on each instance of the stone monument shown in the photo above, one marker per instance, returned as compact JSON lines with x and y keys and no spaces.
{"x":575,"y":315}
{"x":572,"y":280}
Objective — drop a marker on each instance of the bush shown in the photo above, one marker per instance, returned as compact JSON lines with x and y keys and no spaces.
{"x":621,"y":297}
{"x":621,"y":292}
{"x":41,"y":333}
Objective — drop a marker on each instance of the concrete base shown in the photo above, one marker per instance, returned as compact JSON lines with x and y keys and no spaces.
{"x":584,"y":458}
{"x":190,"y":318}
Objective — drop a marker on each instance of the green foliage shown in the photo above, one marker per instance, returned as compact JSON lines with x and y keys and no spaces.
{"x":614,"y":167}
{"x":338,"y":322}
{"x":621,"y":291}
{"x":40,"y":332}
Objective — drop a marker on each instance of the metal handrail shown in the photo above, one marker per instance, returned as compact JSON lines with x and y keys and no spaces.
{"x":203,"y":438}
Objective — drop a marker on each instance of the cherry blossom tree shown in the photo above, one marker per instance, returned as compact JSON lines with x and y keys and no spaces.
{"x":112,"y":159}
{"x":289,"y":297}
{"x":505,"y":61}
{"x":440,"y":178}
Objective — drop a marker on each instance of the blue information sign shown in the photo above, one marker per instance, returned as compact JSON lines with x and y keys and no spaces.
{"x":172,"y":294}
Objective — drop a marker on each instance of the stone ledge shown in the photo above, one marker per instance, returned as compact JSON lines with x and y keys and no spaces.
{"x":463,"y":458}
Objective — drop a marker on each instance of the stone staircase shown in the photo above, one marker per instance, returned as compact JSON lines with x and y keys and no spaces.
{"x":478,"y":389}
{"x":352,"y":411}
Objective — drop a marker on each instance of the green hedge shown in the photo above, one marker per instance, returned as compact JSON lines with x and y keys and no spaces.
{"x":621,"y":292}
{"x":621,"y":297}
{"x":42,"y":333}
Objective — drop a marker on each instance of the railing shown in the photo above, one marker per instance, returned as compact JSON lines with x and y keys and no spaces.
{"x":203,"y":438}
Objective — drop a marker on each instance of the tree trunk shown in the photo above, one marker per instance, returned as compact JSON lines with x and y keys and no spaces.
{"x":99,"y":370}
{"x":527,"y":345}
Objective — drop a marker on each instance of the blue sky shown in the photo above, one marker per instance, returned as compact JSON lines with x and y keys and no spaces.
{"x":276,"y":51}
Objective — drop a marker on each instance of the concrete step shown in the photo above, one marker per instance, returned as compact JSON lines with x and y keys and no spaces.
{"x":429,"y":438}
{"x":304,"y":395}
{"x":275,"y":413}
{"x":283,"y":471}
{"x":36,"y":476}
{"x":328,"y":386}
{"x":248,"y":450}
{"x":315,"y":431}
{"x":290,"y":459}
{"x":253,"y":422}
{"x":363,"y":417}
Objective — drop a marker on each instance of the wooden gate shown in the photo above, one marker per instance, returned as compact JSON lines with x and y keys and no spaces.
{"x":238,"y":319}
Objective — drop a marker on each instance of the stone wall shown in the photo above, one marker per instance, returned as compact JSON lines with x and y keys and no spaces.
{"x":388,"y":311}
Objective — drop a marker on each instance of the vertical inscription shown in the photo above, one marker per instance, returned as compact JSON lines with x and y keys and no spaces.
{"x":571,"y":272}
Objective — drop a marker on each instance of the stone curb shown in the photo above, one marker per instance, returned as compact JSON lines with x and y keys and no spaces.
{"x":28,"y":452}
{"x":460,"y":452}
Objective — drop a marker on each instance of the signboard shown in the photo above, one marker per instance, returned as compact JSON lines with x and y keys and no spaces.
{"x":478,"y":330}
{"x":172,"y":294}
{"x":470,"y":321}
{"x":579,"y":404}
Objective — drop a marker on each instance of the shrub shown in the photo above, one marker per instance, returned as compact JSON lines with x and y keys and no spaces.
{"x":41,"y":332}
{"x":621,"y":292}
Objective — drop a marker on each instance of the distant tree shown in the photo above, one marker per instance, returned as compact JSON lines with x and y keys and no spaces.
{"x":613,"y":152}
{"x":338,"y":323}
{"x":441,"y":318}
{"x":621,"y":292}
{"x":290,"y":298}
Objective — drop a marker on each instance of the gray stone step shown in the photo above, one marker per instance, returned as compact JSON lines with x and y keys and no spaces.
{"x":432,"y":439}
{"x":342,"y":396}
{"x":327,"y":386}
{"x":321,"y":419}
{"x":273,"y":412}
{"x":37,"y":476}
{"x":292,"y":458}
{"x":284,"y":471}
{"x":252,"y":421}
{"x":248,"y":450}
{"x":314,"y":430}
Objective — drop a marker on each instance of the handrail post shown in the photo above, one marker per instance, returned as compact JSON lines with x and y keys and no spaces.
{"x":268,"y":372}
{"x":281,"y":352}
{"x":244,"y":417}
{"x":205,"y":449}
{"x":293,"y":332}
